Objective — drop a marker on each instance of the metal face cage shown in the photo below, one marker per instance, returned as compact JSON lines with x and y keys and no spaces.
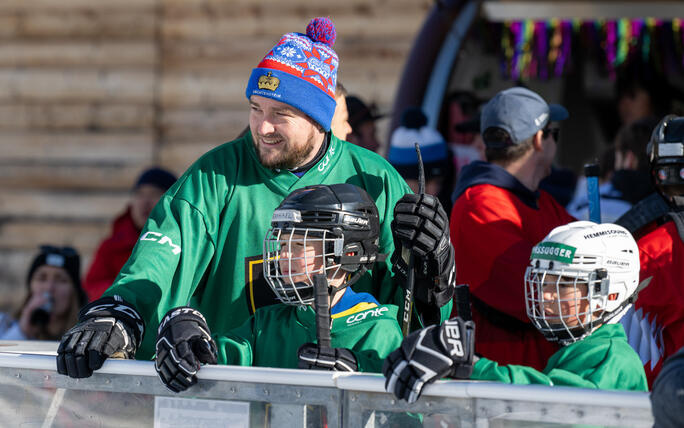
{"x":565,"y":304}
{"x":293,"y":255}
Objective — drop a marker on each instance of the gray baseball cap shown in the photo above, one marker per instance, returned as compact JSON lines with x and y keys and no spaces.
{"x":520,"y":112}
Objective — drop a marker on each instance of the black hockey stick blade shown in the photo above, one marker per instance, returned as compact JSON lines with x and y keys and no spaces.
{"x":411,"y":274}
{"x":462,"y":296}
{"x":322,"y":307}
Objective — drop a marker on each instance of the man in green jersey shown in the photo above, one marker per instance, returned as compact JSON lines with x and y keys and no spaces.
{"x":581,"y":280}
{"x":318,"y":230}
{"x":202,"y":244}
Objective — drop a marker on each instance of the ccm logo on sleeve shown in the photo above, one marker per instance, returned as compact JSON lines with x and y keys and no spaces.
{"x":162,"y":240}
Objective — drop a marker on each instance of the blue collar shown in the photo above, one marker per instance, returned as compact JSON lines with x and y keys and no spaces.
{"x":350,"y":299}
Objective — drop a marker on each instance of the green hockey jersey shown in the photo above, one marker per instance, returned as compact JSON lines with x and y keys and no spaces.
{"x":273,"y":335}
{"x":202,"y":244}
{"x":603,"y":360}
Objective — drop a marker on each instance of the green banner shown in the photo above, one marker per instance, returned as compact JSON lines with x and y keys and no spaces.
{"x":553,"y":251}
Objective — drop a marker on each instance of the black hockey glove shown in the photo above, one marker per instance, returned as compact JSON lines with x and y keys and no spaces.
{"x":421,"y":227}
{"x":105,"y":327}
{"x":311,"y":357}
{"x":183,"y":343}
{"x":430,"y":354}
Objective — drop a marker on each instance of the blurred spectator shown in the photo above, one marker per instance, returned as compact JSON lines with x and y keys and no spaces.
{"x":54,"y":297}
{"x":632,"y":176}
{"x":624,"y":183}
{"x":462,"y":129}
{"x":499,"y":215}
{"x":433,"y":149}
{"x":340,"y":126}
{"x":362,"y":120}
{"x":612,"y":204}
{"x":472,"y":151}
{"x":114,"y":251}
{"x":667,"y":398}
{"x":461,"y":108}
{"x":639,"y":97}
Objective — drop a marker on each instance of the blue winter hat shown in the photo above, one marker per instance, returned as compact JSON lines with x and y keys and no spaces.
{"x":402,"y":151}
{"x":301,"y":70}
{"x":520,"y":112}
{"x":158,"y":177}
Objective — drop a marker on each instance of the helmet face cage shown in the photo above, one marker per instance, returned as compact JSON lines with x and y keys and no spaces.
{"x":293,"y":255}
{"x":565,"y":304}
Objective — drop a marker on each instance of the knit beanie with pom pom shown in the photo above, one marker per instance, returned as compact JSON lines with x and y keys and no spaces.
{"x":433,"y":148}
{"x":301,"y":70}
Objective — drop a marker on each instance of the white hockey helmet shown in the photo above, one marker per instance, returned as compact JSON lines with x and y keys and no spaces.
{"x":593,"y":268}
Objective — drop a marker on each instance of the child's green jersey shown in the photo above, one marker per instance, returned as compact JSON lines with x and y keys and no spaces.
{"x":272,"y":336}
{"x":603,"y":360}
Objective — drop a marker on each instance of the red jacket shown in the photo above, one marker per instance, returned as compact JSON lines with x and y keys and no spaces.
{"x":659,"y":311}
{"x":493,"y":230}
{"x":111,"y":255}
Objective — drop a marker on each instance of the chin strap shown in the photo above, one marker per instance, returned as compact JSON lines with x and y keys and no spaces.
{"x":627,"y":302}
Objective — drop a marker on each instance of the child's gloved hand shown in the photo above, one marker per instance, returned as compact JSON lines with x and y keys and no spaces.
{"x":312,"y":357}
{"x":428,"y":355}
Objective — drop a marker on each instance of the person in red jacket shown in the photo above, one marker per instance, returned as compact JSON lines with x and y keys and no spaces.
{"x":114,"y":250}
{"x":655,"y":324}
{"x":499,"y":214}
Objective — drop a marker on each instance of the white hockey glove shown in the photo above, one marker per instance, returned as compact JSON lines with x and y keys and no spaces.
{"x":312,"y":357}
{"x":430,"y":354}
{"x":183,"y":343}
{"x":106,"y":326}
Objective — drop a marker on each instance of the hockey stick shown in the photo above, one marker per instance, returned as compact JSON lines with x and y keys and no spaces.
{"x":322,"y":307}
{"x":462,"y":297}
{"x":591,"y":171}
{"x":411,"y":274}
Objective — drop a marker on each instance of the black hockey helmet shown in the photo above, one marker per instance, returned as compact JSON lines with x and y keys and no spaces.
{"x":666,"y":156}
{"x":341,"y":218}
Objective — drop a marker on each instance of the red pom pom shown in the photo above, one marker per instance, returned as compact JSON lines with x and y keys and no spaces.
{"x":321,"y":30}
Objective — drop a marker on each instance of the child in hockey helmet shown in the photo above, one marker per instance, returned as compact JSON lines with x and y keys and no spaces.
{"x":331,"y":230}
{"x":322,"y":229}
{"x":581,"y":279}
{"x":581,"y":276}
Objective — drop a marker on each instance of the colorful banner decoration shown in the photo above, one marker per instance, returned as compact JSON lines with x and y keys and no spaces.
{"x":543,"y":48}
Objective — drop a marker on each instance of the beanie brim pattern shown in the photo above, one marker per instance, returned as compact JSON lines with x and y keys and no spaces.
{"x":296,"y":92}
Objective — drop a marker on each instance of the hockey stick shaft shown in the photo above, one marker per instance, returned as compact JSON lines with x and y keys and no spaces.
{"x":591,"y":171}
{"x":322,"y":307}
{"x":462,"y":297}
{"x":411,"y":274}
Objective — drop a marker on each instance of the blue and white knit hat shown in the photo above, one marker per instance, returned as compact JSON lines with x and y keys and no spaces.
{"x":402,"y":151}
{"x":301,"y":70}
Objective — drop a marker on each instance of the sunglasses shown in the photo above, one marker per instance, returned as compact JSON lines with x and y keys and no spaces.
{"x":555,"y":133}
